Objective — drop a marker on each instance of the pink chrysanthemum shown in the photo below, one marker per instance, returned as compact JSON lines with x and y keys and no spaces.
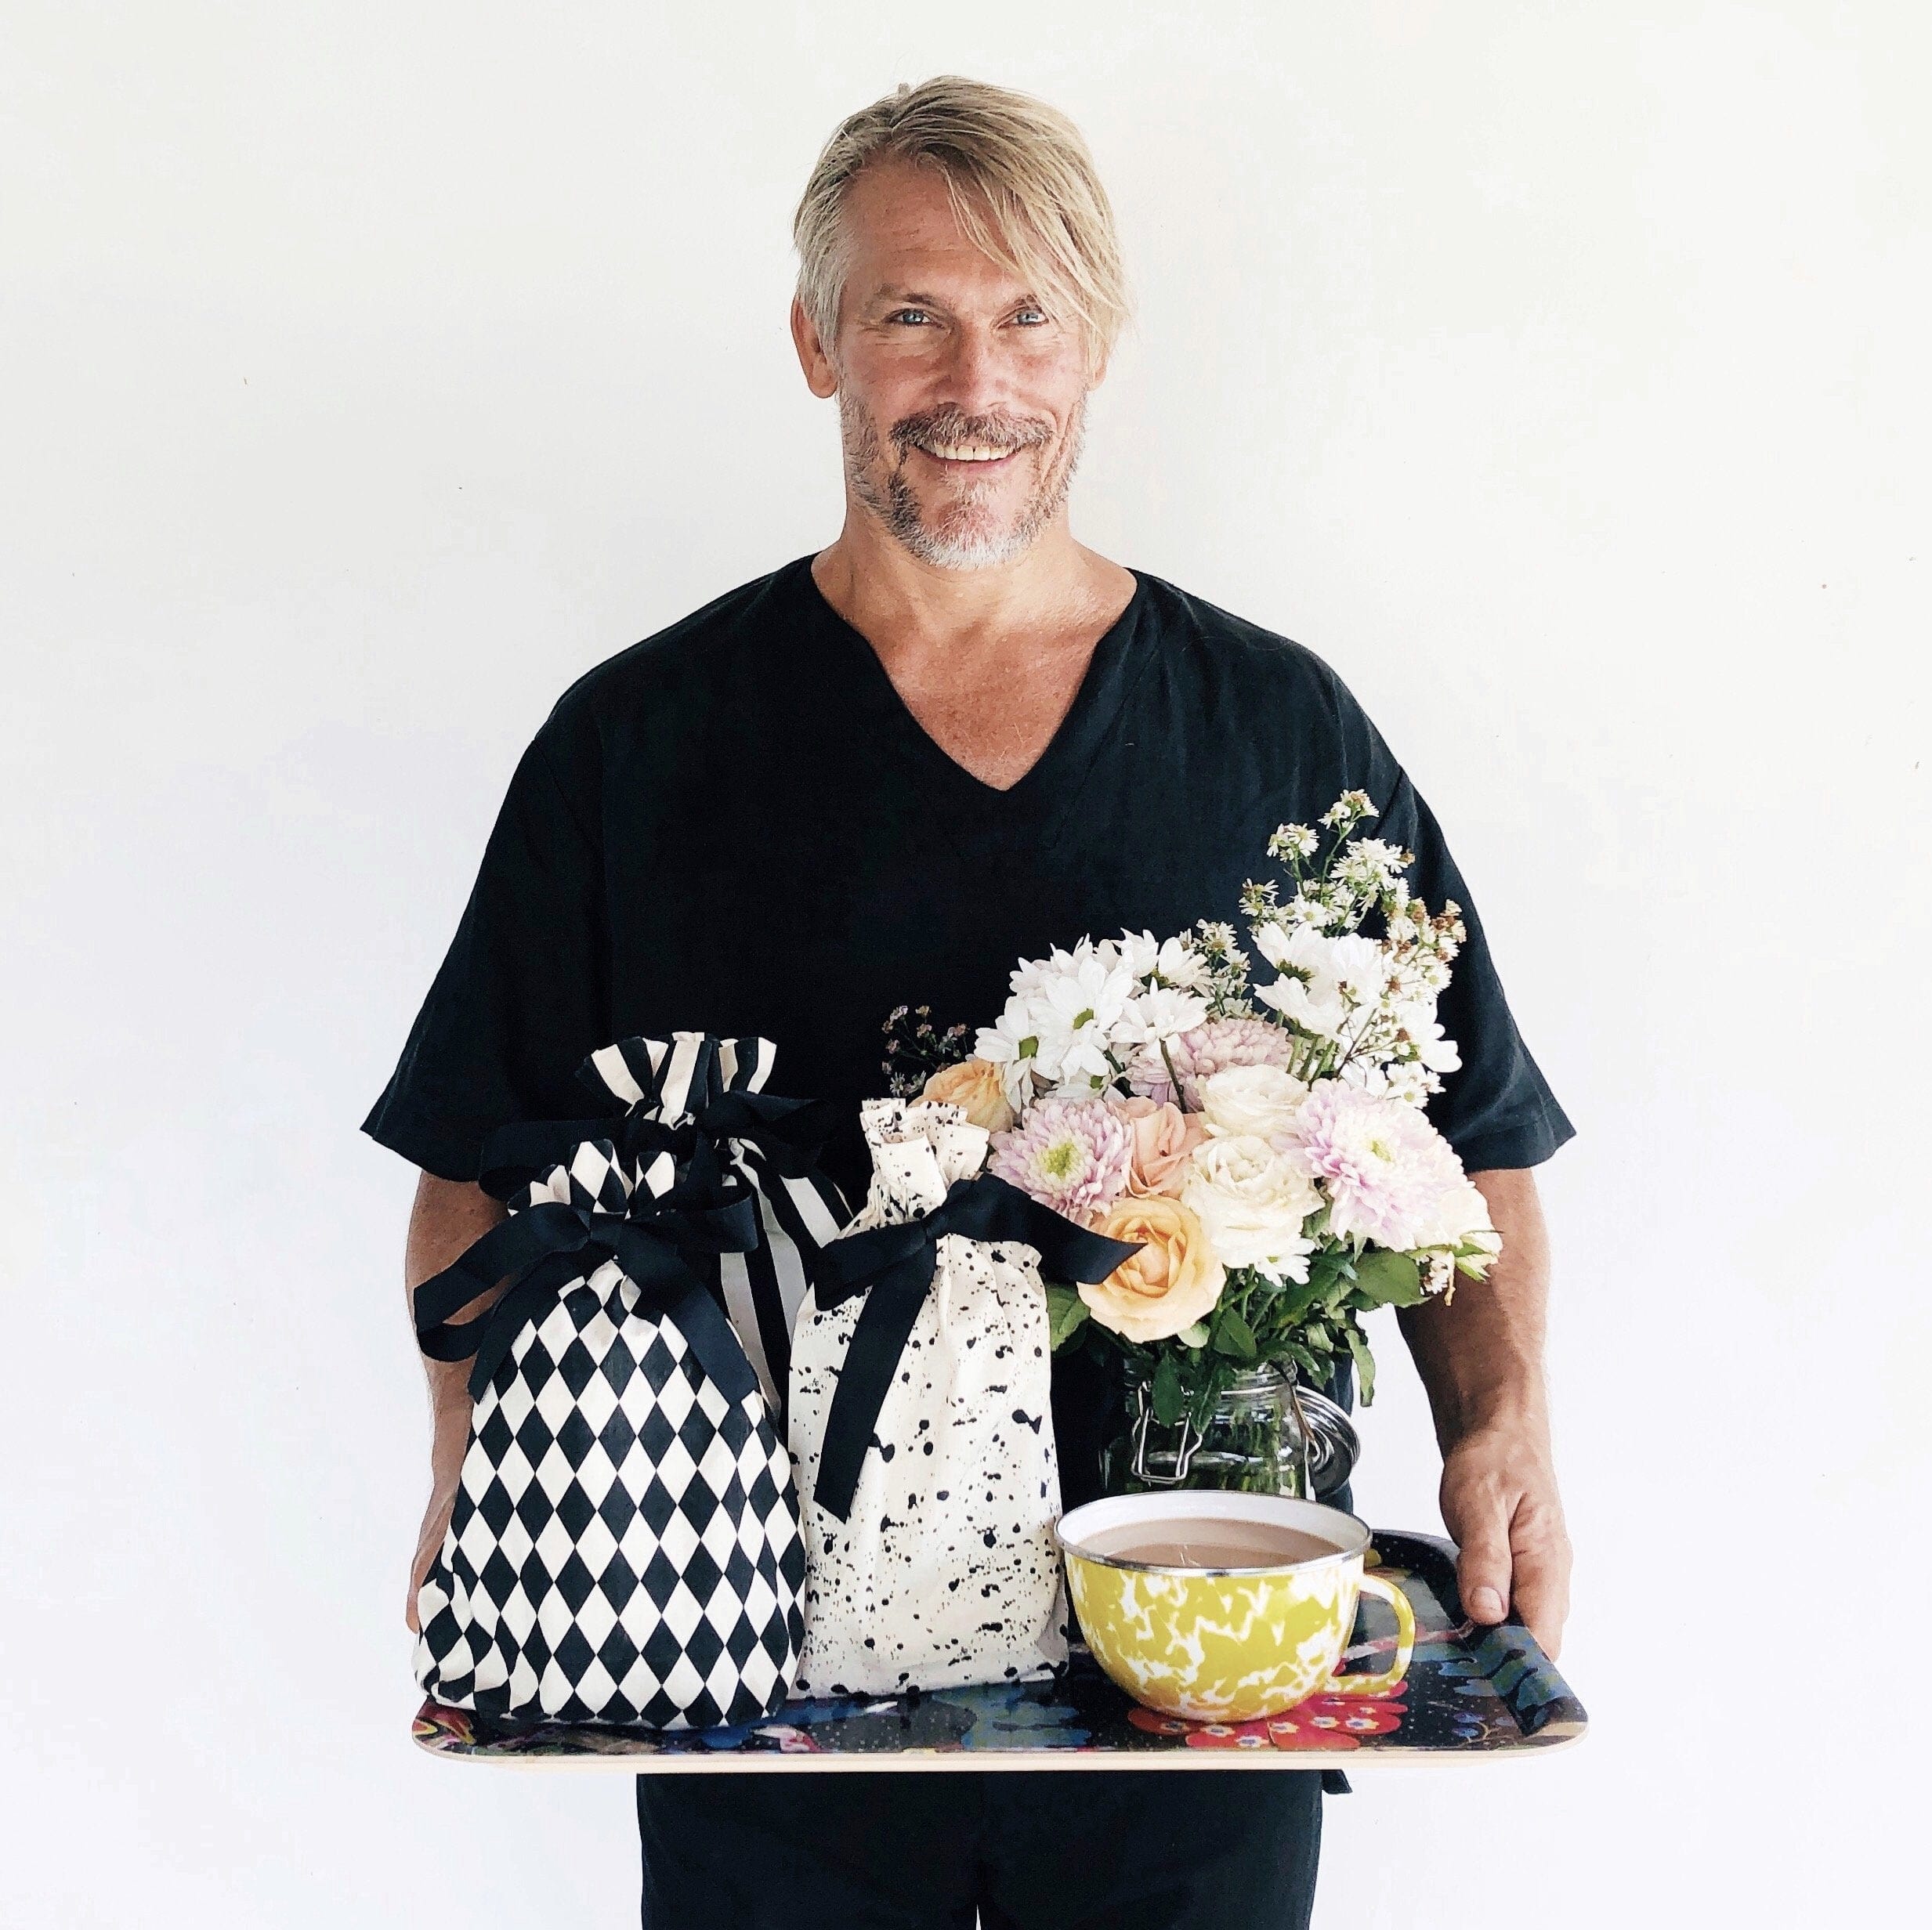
{"x":1209,"y":1048}
{"x":1071,"y":1154}
{"x":1387,"y":1173}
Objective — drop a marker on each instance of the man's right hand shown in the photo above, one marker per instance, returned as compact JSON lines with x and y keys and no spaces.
{"x":435,"y":1524}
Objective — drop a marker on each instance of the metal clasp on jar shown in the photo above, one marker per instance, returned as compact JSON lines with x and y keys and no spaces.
{"x":1184,"y":1455}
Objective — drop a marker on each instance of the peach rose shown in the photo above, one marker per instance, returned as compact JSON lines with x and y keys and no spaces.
{"x":974,"y":1087}
{"x":1174,"y":1279}
{"x":1164,"y":1140}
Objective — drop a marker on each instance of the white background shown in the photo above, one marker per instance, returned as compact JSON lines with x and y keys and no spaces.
{"x":367,"y":373}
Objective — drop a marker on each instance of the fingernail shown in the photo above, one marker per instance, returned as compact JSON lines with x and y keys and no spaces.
{"x":1486,"y":1605}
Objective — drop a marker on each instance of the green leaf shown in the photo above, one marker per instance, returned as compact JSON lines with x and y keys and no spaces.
{"x":1364,"y":1362}
{"x":1263,"y":1290}
{"x":1331,"y":1263}
{"x":1066,"y":1313}
{"x":1299,"y":1301}
{"x":1194,"y":1336}
{"x":1169,"y":1398}
{"x":1388,"y":1279}
{"x":1233,"y":1335}
{"x":1206,"y":1395}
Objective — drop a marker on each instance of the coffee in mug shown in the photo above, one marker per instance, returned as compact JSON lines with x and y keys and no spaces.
{"x":1182,"y":1541}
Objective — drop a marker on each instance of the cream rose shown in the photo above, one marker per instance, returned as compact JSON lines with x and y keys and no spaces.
{"x":1461,"y":1214}
{"x":1164,"y":1138}
{"x":1174,"y":1280}
{"x":1252,"y":1201}
{"x":1261,"y":1099}
{"x":974,"y":1087}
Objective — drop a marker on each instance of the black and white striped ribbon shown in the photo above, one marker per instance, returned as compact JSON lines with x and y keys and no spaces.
{"x":798,"y":1214}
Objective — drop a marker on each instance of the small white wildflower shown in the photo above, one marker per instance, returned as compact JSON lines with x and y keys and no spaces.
{"x":1310,"y":907}
{"x":1293,"y":841}
{"x":1347,"y":809}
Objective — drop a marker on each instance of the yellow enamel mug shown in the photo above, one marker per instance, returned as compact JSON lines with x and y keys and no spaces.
{"x":1224,"y":1607}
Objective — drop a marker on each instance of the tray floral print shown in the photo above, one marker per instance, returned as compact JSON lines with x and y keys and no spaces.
{"x":1469,"y":1693}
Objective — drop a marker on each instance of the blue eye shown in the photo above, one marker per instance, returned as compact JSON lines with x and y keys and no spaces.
{"x":900,"y":315}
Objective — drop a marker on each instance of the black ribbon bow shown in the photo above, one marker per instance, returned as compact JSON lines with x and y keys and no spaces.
{"x":551,"y":1244}
{"x":710,"y":1207}
{"x":894,"y":1266}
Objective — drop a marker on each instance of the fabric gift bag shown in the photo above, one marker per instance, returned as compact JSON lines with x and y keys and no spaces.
{"x":624,"y":1546}
{"x":713,"y":1088}
{"x":921,"y":1422}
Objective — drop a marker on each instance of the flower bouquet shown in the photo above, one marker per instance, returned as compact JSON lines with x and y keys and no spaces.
{"x":1263,"y":1137}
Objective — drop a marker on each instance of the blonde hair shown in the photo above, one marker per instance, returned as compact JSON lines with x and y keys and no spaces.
{"x":1022,"y":185}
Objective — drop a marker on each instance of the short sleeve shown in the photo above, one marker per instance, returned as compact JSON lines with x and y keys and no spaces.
{"x":522,"y":996}
{"x":1497,"y":1110}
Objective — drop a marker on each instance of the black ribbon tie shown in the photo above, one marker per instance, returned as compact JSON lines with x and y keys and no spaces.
{"x":549,"y":1246}
{"x":893,"y":1267}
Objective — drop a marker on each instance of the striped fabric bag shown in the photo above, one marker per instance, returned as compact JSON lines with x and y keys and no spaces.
{"x":677,"y":1092}
{"x":698,"y":1081}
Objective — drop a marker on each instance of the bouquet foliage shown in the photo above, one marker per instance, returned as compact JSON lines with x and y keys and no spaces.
{"x":1260,"y":1133}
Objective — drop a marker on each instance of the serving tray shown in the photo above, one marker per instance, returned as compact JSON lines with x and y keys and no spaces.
{"x":1470,"y":1694}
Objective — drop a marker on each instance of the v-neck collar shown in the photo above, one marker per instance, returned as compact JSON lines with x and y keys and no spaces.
{"x":982,"y":818}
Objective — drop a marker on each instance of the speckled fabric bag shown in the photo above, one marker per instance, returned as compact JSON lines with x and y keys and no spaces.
{"x":921,"y":1424}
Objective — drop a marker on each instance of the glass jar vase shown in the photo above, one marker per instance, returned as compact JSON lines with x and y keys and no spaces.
{"x":1266,"y":1434}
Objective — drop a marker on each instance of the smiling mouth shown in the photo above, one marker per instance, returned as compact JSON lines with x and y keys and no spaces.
{"x":966,"y":455}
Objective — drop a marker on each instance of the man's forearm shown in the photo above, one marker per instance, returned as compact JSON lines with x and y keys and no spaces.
{"x":447,"y":1217}
{"x":1480,"y":1353}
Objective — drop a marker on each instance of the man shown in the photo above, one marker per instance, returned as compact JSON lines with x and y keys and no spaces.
{"x":879,"y":776}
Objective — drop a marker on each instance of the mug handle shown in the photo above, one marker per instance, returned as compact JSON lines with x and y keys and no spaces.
{"x":1383,"y":1679}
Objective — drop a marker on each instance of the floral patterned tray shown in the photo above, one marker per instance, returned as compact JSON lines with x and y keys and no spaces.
{"x":1470,"y":1692}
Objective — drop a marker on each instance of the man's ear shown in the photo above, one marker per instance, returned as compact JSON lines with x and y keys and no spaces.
{"x":821,"y":378}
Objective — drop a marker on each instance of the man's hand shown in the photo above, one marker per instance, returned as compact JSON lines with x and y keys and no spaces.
{"x":1480,"y":1356}
{"x":436,"y":1522}
{"x":446,"y":1469}
{"x":1499,"y":1503}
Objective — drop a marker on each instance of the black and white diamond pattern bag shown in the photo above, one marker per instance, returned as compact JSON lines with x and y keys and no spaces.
{"x":624,"y":1546}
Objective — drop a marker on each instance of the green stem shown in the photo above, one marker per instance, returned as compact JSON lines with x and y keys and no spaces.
{"x":1180,"y":1098}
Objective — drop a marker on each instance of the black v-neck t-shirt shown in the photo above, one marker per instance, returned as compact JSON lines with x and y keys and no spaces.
{"x":737,"y":826}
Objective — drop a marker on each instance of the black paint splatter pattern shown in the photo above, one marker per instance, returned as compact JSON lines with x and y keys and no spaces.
{"x":945,"y":1573}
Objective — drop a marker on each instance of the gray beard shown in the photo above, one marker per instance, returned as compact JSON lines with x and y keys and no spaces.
{"x":957,"y":547}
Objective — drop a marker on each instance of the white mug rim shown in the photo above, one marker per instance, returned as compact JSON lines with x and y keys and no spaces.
{"x":1348,"y":1535}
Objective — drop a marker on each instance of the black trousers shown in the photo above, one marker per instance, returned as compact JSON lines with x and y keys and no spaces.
{"x":1027,"y":1849}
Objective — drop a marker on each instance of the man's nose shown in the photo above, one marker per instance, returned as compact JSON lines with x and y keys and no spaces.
{"x":977,"y":381}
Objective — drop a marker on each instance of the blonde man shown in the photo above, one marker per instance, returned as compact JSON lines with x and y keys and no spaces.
{"x":953,"y":738}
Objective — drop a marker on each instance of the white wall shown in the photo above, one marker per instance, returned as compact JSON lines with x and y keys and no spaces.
{"x":366,"y":373}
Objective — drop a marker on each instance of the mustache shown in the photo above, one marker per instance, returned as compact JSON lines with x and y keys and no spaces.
{"x":954,"y":426}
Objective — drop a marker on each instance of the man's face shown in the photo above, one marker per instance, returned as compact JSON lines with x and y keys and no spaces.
{"x":962,"y":399}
